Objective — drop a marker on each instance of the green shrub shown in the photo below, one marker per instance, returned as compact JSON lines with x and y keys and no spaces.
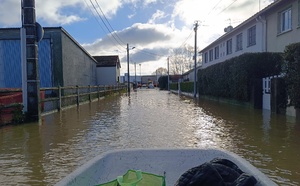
{"x":163,"y":82}
{"x":173,"y":86}
{"x":292,"y":73}
{"x":233,"y":78}
{"x":187,"y":87}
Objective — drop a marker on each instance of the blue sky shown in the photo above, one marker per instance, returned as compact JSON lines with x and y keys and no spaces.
{"x":153,"y":27}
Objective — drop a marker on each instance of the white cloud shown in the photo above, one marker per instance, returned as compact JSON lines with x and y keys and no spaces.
{"x":152,"y":43}
{"x":51,"y":12}
{"x":156,"y":16}
{"x":147,"y":2}
{"x":10,"y":12}
{"x":56,"y":12}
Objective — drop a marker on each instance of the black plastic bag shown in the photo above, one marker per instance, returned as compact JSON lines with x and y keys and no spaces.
{"x":217,"y":172}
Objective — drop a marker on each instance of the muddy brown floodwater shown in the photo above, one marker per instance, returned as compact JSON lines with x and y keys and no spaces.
{"x":43,"y":153}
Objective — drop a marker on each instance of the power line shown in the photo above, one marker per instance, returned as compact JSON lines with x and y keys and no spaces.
{"x":101,"y":25}
{"x":109,"y":23}
{"x":113,"y":33}
{"x":214,"y":7}
{"x":227,"y":7}
{"x":106,"y":25}
{"x":186,"y":39}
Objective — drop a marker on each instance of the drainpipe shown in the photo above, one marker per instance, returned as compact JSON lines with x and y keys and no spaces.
{"x":263,"y":21}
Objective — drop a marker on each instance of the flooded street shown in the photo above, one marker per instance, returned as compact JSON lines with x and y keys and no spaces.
{"x":42,"y":154}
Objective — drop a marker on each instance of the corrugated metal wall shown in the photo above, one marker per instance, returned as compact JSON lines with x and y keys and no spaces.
{"x":10,"y":63}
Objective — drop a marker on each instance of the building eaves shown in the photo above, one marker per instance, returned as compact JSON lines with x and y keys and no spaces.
{"x":108,"y":61}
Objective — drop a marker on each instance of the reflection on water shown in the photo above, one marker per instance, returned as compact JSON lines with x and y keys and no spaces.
{"x":42,"y":154}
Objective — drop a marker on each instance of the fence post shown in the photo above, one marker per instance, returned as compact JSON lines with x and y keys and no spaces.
{"x":77,"y":90}
{"x":59,"y":98}
{"x":90,"y":93}
{"x":98,"y":94}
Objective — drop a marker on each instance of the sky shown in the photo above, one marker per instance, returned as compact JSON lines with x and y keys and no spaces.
{"x":152,"y":28}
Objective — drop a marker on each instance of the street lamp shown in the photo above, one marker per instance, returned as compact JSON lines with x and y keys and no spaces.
{"x":128,"y":76}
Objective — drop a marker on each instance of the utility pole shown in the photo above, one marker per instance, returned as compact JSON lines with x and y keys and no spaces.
{"x":195,"y":58}
{"x":135,"y":75}
{"x":140,"y":72}
{"x":128,"y":76}
{"x":33,"y":82}
{"x":168,"y":74}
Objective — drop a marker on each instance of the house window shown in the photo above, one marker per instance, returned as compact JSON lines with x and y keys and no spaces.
{"x":217,"y":52}
{"x":285,"y":20}
{"x":229,"y":46}
{"x":239,"y":42}
{"x":205,"y":57}
{"x":252,"y":36}
{"x":211,"y":55}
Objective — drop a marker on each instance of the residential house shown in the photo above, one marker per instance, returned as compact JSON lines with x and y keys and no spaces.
{"x":108,"y":70}
{"x":282,"y":21}
{"x":269,"y":30}
{"x":245,"y":38}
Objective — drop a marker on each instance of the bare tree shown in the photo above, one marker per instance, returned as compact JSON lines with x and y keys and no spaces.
{"x":181,"y":59}
{"x":160,"y":71}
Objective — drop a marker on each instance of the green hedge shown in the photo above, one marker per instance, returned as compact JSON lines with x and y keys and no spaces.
{"x":187,"y":87}
{"x":292,"y":73}
{"x":173,"y":86}
{"x":163,"y":82}
{"x":234,"y":78}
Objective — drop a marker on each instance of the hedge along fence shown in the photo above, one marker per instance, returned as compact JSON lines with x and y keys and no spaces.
{"x":173,"y":86}
{"x":187,"y":87}
{"x":292,"y":73}
{"x":234,"y":78}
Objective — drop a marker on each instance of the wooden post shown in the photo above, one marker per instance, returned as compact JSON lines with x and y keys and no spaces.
{"x":59,"y":97}
{"x":90,"y":99}
{"x":98,"y":94}
{"x":77,"y":90}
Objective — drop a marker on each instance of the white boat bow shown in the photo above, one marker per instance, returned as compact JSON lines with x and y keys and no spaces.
{"x":172,"y":162}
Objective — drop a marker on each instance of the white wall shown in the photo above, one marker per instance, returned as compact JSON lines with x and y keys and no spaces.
{"x":221,"y":42}
{"x":106,"y":76}
{"x":277,"y":42}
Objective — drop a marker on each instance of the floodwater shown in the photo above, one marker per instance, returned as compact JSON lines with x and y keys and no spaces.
{"x":43,"y":153}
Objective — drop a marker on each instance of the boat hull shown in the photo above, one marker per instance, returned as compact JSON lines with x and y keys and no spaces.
{"x":172,"y":162}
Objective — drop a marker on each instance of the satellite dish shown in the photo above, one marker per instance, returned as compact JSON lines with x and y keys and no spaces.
{"x":228,"y":29}
{"x":39,"y":32}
